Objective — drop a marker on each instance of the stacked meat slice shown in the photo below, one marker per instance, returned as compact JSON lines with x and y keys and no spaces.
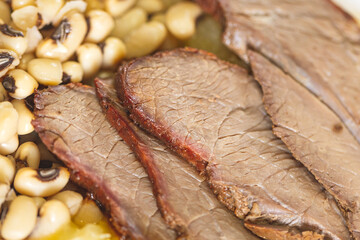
{"x":315,"y":135}
{"x":313,"y":41}
{"x":70,"y":122}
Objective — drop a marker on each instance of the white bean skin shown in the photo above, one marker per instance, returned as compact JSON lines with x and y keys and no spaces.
{"x":20,"y":219}
{"x":8,"y":121}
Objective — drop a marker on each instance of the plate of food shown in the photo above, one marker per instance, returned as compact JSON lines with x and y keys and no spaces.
{"x":172,"y":119}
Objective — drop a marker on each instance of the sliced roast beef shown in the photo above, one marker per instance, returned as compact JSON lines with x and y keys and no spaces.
{"x":313,"y":41}
{"x":71,"y":124}
{"x":211,"y":113}
{"x":315,"y":135}
{"x":196,"y":213}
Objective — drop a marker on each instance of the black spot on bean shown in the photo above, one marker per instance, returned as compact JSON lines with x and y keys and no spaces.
{"x":20,"y":164}
{"x":47,"y":175}
{"x":29,"y":102}
{"x":66,"y":78}
{"x":5,"y":60}
{"x":9,"y":31}
{"x":90,"y":196}
{"x":4,"y":210}
{"x":337,"y":128}
{"x":39,"y":20}
{"x":62,"y":31}
{"x":9,"y":84}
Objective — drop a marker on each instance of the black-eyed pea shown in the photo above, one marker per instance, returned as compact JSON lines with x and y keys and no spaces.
{"x":131,"y":20}
{"x":5,"y":12}
{"x":4,"y":190}
{"x":53,"y":216}
{"x":75,"y":6}
{"x":181,"y":19}
{"x":30,"y":153}
{"x":17,"y":4}
{"x":49,"y":48}
{"x":33,"y":37}
{"x":100,"y":25}
{"x":8,"y":60}
{"x":89,"y":212}
{"x":25,"y":117}
{"x":145,"y":39}
{"x":25,"y":17}
{"x":12,"y":39}
{"x":114,"y":51}
{"x":25,"y":59}
{"x":117,"y":8}
{"x":71,"y":199}
{"x":39,"y":201}
{"x":48,"y":10}
{"x":7,"y":170}
{"x":151,"y":6}
{"x":67,"y":37}
{"x":3,"y":94}
{"x":72,"y":72}
{"x":90,"y":58}
{"x":8,"y":121}
{"x":19,"y":83}
{"x":41,"y":182}
{"x":9,"y":146}
{"x":20,"y":219}
{"x":46,"y":71}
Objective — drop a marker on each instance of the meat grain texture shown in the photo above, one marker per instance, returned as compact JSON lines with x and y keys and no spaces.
{"x":315,"y":135}
{"x":71,"y":124}
{"x":211,"y":113}
{"x":184,"y":197}
{"x":313,"y":41}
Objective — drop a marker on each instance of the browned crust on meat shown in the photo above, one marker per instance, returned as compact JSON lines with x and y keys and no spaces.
{"x":274,"y":232}
{"x":122,"y":125}
{"x":81,"y":174}
{"x":194,"y":154}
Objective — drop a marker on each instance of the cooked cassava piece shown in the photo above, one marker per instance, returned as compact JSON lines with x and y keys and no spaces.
{"x":71,"y":124}
{"x":185,"y":199}
{"x":315,"y":136}
{"x":211,"y":113}
{"x":313,"y":41}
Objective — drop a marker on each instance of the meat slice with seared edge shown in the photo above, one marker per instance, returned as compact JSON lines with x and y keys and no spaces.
{"x":313,"y":41}
{"x":71,"y":124}
{"x":211,"y":113}
{"x":315,"y":136}
{"x":184,"y":197}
